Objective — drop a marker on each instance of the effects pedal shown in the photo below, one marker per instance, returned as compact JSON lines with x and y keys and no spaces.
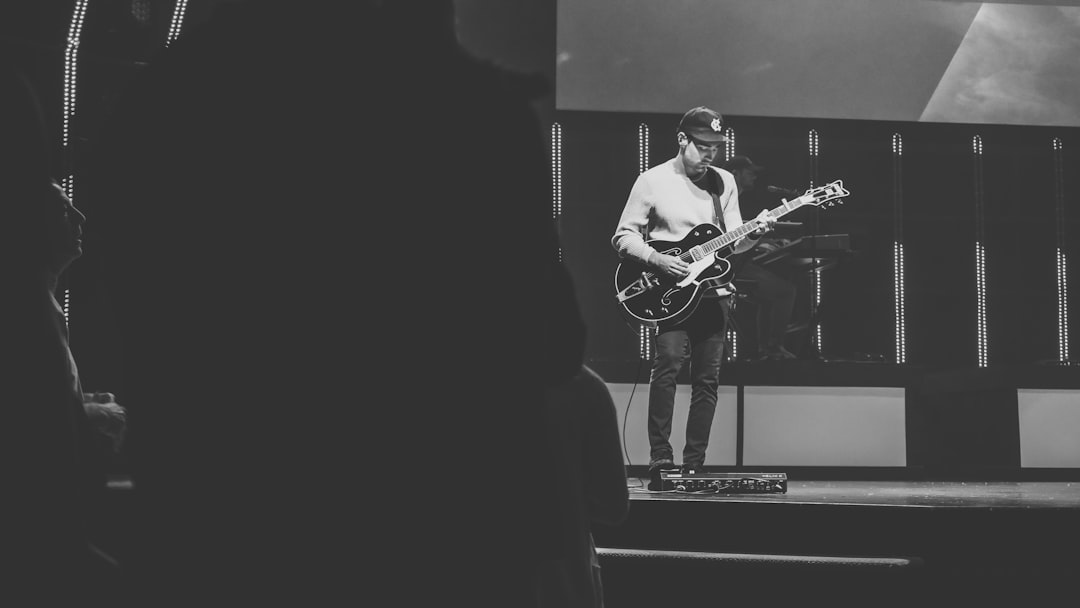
{"x":701,"y":482}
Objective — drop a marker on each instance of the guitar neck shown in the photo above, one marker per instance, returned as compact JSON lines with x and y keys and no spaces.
{"x":728,"y":238}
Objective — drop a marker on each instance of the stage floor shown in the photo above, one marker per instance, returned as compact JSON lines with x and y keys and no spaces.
{"x":847,"y":542}
{"x":927,"y":494}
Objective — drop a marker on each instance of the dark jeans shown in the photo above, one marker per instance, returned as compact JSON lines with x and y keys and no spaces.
{"x":775,"y":300}
{"x":699,"y":339}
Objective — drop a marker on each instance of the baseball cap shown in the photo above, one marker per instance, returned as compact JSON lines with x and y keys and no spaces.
{"x":742,"y":162}
{"x":703,"y":124}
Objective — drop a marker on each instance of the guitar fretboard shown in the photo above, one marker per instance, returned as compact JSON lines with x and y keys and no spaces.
{"x":708,"y":247}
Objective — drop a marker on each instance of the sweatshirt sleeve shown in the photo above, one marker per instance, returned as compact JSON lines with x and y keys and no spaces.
{"x":629,"y":238}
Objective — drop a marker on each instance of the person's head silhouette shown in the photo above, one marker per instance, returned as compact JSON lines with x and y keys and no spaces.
{"x":40,"y":230}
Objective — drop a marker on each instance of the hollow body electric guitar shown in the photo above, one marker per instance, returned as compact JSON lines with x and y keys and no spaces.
{"x":650,"y":298}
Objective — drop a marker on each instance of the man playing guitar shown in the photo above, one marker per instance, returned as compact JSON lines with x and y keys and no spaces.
{"x":666,"y":203}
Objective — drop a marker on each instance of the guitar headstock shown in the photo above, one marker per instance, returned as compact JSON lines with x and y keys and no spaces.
{"x":825,"y":196}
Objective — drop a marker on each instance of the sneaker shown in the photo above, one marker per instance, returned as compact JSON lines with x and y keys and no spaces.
{"x":661,"y":462}
{"x":656,"y":465}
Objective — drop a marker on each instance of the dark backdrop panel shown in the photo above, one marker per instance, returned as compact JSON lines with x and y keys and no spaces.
{"x":855,"y":312}
{"x":600,"y":164}
{"x":600,"y":159}
{"x":1072,"y":234}
{"x":1021,"y":248}
{"x":857,"y":307}
{"x":780,"y":146}
{"x":939,"y":236}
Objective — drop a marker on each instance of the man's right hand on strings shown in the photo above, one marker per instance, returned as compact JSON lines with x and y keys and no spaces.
{"x":670,"y":265}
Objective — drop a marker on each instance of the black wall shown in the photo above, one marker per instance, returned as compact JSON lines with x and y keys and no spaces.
{"x":938,"y":209}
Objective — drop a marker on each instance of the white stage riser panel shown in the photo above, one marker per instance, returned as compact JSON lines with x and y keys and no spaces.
{"x":824,"y":426}
{"x":814,"y":426}
{"x":1049,"y":428}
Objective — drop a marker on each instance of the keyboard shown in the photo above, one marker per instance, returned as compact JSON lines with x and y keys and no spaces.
{"x":810,"y":251}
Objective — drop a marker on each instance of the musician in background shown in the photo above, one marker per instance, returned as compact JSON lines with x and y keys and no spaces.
{"x":665,"y":203}
{"x":774,"y":295}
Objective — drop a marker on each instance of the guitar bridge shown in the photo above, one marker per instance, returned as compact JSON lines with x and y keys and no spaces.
{"x":645,"y":283}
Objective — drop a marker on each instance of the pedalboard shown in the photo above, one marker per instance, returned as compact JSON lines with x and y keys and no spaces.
{"x":701,"y":482}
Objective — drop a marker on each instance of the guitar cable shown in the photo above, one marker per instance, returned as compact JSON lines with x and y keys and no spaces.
{"x":626,"y":417}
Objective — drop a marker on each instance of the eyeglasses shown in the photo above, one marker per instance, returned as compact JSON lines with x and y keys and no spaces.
{"x":704,"y":146}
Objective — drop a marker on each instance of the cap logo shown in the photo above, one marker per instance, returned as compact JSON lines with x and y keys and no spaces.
{"x":716,"y":125}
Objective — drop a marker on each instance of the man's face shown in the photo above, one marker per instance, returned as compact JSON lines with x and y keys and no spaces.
{"x":699,"y":155}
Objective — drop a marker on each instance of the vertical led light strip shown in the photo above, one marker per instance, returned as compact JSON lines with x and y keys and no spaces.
{"x":642,"y":148}
{"x":815,"y":277}
{"x":1062,"y":266}
{"x":980,"y":251}
{"x":71,"y":53}
{"x":67,"y":308}
{"x":556,"y":175}
{"x":645,"y":338}
{"x":732,"y":335}
{"x":177,"y":21}
{"x":645,"y":332}
{"x":899,"y":300}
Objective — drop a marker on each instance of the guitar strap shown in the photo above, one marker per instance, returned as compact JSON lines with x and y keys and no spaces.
{"x":738,"y":260}
{"x":715,"y":187}
{"x":717,"y":212}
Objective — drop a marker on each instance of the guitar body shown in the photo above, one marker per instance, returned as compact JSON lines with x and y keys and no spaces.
{"x":663,"y":299}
